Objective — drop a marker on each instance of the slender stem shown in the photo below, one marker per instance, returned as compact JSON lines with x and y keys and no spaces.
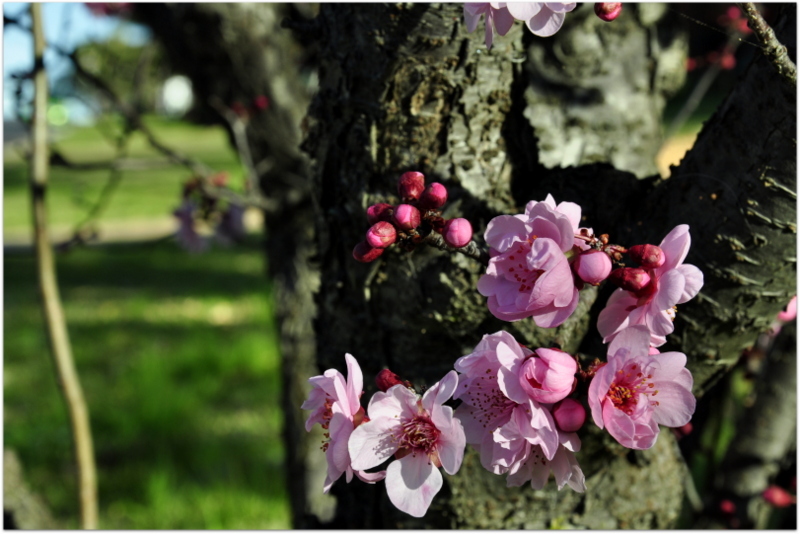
{"x":239,"y":130}
{"x":471,"y":249}
{"x":773,"y":49}
{"x":48,"y":286}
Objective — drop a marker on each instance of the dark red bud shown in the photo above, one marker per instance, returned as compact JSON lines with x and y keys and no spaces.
{"x":261,"y":102}
{"x":629,"y":278}
{"x":647,"y":256}
{"x":727,"y":506}
{"x":365,"y":253}
{"x":411,"y":185}
{"x":387,"y":379}
{"x":434,"y":197}
{"x":608,"y":11}
{"x":379,"y":212}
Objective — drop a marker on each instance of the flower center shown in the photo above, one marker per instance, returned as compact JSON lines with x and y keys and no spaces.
{"x":626,"y":387}
{"x":418,"y":434}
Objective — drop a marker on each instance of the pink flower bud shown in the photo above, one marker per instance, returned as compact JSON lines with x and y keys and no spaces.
{"x":569,"y":415}
{"x":778,"y":497}
{"x":411,"y":185}
{"x":379,"y":212}
{"x":592,"y":266}
{"x":683,"y":431}
{"x":387,"y":379}
{"x":261,"y":102}
{"x":365,"y":253}
{"x":727,"y":506}
{"x":406,"y":217}
{"x":381,"y":234}
{"x":629,"y":278}
{"x":434,"y":196}
{"x":457,"y":232}
{"x":608,"y":11}
{"x":790,"y":312}
{"x":647,"y":256}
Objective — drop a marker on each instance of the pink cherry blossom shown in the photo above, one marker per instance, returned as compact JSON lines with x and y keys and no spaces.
{"x":421,"y":433}
{"x":635,"y":392}
{"x":491,"y":395}
{"x":334,"y":404}
{"x":542,"y":18}
{"x":529,"y":274}
{"x":497,"y":18}
{"x":790,"y":313}
{"x":510,"y":450}
{"x":653,"y":306}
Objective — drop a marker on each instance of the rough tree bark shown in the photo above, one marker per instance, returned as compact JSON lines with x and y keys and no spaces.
{"x":404,"y":87}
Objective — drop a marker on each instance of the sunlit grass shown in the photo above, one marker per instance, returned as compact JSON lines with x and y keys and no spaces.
{"x":178,"y":358}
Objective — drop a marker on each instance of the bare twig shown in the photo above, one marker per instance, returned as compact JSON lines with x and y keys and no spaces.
{"x":773,"y":49}
{"x":471,"y":250}
{"x":48,"y":286}
{"x":239,"y":130}
{"x":134,"y":120}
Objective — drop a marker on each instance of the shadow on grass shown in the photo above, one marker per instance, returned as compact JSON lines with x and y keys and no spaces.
{"x":184,"y":398}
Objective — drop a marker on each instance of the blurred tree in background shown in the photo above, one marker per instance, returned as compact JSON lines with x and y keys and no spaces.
{"x":359,"y":94}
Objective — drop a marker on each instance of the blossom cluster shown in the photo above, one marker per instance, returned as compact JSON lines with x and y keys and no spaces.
{"x":521,"y":409}
{"x":409,"y":222}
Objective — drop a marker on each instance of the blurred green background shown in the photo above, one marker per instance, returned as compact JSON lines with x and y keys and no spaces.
{"x":177,"y":352}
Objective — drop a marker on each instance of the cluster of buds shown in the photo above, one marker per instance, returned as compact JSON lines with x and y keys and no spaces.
{"x":409,"y":223}
{"x":637,"y":279}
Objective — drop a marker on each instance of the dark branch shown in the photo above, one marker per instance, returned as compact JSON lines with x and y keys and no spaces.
{"x":773,"y":49}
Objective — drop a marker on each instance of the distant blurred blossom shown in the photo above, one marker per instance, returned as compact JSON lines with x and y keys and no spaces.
{"x":231,"y":226}
{"x":109,"y":9}
{"x":187,"y":235}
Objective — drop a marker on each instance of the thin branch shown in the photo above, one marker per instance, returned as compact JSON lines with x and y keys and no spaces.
{"x":471,"y":250}
{"x":134,"y":120}
{"x":240,"y":137}
{"x":773,"y":49}
{"x":48,"y":286}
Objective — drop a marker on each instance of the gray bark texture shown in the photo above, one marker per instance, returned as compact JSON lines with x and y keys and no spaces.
{"x":404,"y":87}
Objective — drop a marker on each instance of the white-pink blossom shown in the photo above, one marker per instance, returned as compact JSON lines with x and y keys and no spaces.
{"x":420,"y":432}
{"x":542,"y":18}
{"x":636,"y":391}
{"x":334,"y":404}
{"x":529,"y":273}
{"x":654,"y":305}
{"x":497,"y":18}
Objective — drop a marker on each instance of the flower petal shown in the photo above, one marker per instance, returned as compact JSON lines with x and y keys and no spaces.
{"x":411,"y":483}
{"x":694,"y":282}
{"x":545,"y":23}
{"x":503,"y":20}
{"x":675,"y":246}
{"x":355,"y":383}
{"x":670,"y":289}
{"x":630,"y":343}
{"x":675,"y":406}
{"x":524,"y":10}
{"x":372,"y":443}
{"x":503,"y":231}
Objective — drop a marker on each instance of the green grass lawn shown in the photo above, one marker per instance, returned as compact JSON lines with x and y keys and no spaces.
{"x":178,"y":358}
{"x":177,"y":353}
